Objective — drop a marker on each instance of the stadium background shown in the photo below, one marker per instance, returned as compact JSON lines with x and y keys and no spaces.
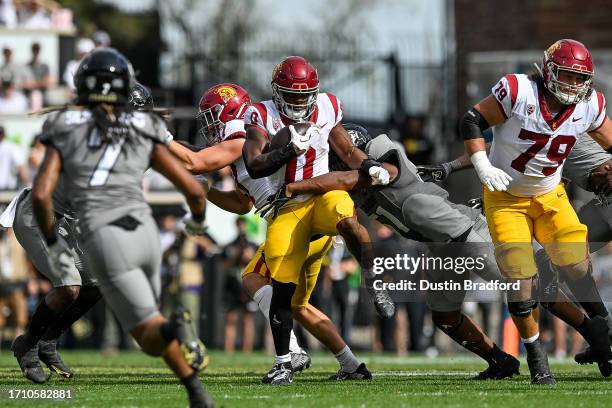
{"x":405,"y":68}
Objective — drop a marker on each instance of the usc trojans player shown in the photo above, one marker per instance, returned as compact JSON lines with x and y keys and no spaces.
{"x":296,"y":98}
{"x":220,"y":116}
{"x":536,"y":121}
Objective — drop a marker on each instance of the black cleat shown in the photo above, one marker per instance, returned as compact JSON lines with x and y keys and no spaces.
{"x":279,"y":374}
{"x":300,"y":361}
{"x":27,"y":357}
{"x":595,"y":333}
{"x":361,"y":373}
{"x":506,"y":367}
{"x":201,"y":400}
{"x":192,"y":348}
{"x":47,"y":352}
{"x":537,"y":361}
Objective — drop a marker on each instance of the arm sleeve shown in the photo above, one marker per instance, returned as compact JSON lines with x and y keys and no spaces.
{"x":599,"y":116}
{"x":505,"y":92}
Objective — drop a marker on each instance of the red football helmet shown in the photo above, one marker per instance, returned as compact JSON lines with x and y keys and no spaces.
{"x":219,"y":105}
{"x":295,"y":86}
{"x":570,"y":56}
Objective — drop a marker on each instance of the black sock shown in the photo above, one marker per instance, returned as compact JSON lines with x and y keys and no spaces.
{"x":533,"y":347}
{"x":42,"y":318}
{"x":587,"y":295}
{"x":281,"y":320}
{"x":88,"y":297}
{"x":192,"y":383}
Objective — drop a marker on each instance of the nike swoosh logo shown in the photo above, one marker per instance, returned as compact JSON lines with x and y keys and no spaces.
{"x":576,"y":120}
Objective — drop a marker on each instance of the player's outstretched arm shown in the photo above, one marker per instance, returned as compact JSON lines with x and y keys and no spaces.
{"x":209,"y":159}
{"x":260,"y":163}
{"x":44,"y":184}
{"x":440,"y":172}
{"x":232,"y":201}
{"x":164,"y":162}
{"x":483,"y":115}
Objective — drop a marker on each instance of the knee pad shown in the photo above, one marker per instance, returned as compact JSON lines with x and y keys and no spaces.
{"x":522,"y":308}
{"x":280,"y":305}
{"x":448,"y":322}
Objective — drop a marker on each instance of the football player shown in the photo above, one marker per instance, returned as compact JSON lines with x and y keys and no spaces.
{"x":536,"y":121}
{"x":102,"y":148}
{"x":74,"y":291}
{"x":221,"y":111}
{"x":590,"y":167}
{"x":296,"y":98}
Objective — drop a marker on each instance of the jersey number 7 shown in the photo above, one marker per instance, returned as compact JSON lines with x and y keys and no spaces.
{"x":555,"y":153}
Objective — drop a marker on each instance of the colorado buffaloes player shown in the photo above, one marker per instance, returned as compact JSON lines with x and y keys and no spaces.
{"x":590,"y":167}
{"x":536,"y":121}
{"x":74,"y":291}
{"x":419,"y":211}
{"x":220,"y":114}
{"x":102,"y":149}
{"x":296,"y":98}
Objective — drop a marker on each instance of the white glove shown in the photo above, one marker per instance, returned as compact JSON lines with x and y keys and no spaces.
{"x":495,"y":179}
{"x":61,"y":261}
{"x":193,"y":227}
{"x":169,"y":138}
{"x":380,"y":176}
{"x":301,"y":143}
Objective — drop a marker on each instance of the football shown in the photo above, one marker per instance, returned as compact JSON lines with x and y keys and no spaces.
{"x":283,"y":136}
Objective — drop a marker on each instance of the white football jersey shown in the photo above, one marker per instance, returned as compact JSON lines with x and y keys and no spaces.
{"x":326,"y":115}
{"x":532,"y":144}
{"x":257,"y":189}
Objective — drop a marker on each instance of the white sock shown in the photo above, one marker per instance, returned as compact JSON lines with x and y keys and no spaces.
{"x":263,"y":297}
{"x":348,"y":361}
{"x":283,"y":359}
{"x":531,"y":339}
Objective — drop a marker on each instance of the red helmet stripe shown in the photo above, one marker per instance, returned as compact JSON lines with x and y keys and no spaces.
{"x":513,"y":84}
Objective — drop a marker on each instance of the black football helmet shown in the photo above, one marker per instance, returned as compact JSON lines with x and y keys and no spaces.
{"x":360,"y":138}
{"x":140,"y":97}
{"x":104,"y":76}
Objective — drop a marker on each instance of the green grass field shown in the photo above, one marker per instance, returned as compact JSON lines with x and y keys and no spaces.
{"x":135,"y":380}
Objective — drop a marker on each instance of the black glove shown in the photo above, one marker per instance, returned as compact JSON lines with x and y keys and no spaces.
{"x":274,"y":203}
{"x":432,"y":172}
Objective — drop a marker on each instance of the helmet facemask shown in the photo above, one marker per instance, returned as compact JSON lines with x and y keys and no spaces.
{"x":210,"y":126}
{"x":295,"y":112}
{"x":565,"y":93}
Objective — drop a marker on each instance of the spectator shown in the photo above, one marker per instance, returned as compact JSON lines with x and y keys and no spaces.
{"x":41,"y":74}
{"x":83,"y":47}
{"x":236,"y":256}
{"x":13,"y":279}
{"x":101,"y":39}
{"x":8,"y":14}
{"x":20,"y":75}
{"x":12,"y":100}
{"x":35,"y":14}
{"x":12,"y":164}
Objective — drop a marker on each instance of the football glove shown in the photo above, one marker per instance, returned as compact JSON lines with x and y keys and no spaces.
{"x":193,"y":227}
{"x":380,"y":176}
{"x":495,"y":179}
{"x":274,"y":203}
{"x":61,"y":260}
{"x":301,"y":143}
{"x":433,"y":172}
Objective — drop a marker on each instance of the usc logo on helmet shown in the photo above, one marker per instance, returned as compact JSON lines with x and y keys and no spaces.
{"x":226,"y":93}
{"x":551,"y":50}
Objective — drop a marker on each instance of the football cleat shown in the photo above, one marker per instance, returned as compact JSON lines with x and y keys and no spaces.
{"x":300,"y":361}
{"x":539,"y":369}
{"x":27,"y":357}
{"x":595,"y":333}
{"x":279,"y":374}
{"x":192,"y":348}
{"x":504,"y":368}
{"x":47,"y":353}
{"x":383,"y":303}
{"x":361,"y":373}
